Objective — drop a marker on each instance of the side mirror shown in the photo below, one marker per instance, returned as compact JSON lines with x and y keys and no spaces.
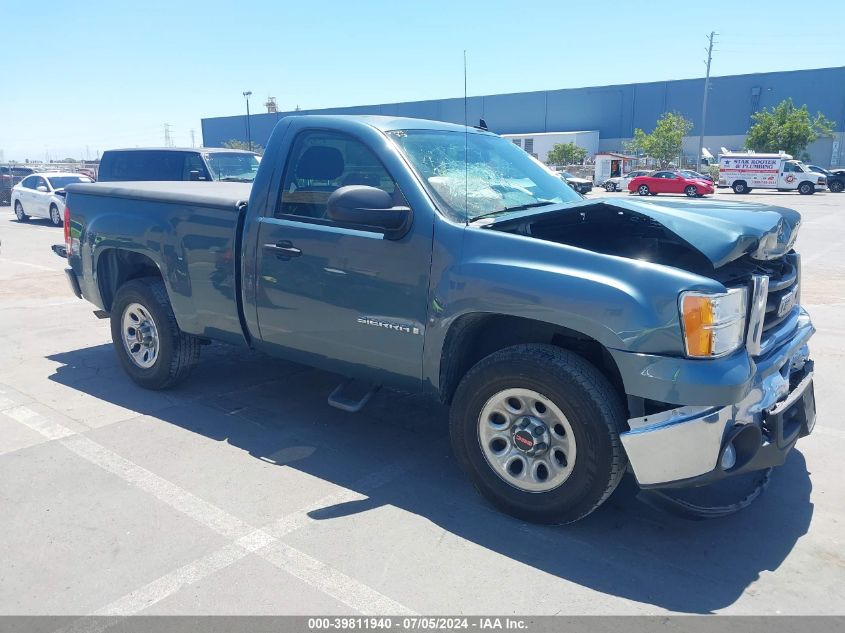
{"x":42,"y":189}
{"x":369,"y":207}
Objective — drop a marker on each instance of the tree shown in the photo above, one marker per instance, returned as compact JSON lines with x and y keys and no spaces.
{"x":665,"y":142}
{"x":786,"y":128}
{"x":238,"y":144}
{"x":566,"y":154}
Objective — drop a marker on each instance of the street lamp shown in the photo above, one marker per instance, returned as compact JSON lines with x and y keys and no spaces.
{"x":248,"y":131}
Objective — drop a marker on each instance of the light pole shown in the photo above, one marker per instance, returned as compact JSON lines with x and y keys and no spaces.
{"x":248,"y":130}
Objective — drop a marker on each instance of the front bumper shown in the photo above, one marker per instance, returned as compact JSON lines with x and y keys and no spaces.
{"x":685,"y":446}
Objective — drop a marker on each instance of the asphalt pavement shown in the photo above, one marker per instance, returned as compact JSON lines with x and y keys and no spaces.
{"x":243,"y":492}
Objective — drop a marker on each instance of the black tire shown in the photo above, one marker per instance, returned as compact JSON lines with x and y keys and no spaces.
{"x":592,"y":407}
{"x":836,"y":186}
{"x":55,"y":218}
{"x":806,"y":188}
{"x":691,"y":191}
{"x":19,"y":213}
{"x":740,"y":187}
{"x":643,"y":190}
{"x":178,"y":352}
{"x":609,"y":187}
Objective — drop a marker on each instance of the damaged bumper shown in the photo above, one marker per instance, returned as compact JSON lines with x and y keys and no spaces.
{"x":695,"y":445}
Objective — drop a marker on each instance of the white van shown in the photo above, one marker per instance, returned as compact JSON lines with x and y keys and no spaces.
{"x":744,"y":171}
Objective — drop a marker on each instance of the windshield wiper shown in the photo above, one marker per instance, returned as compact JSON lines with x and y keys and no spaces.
{"x":521,"y":207}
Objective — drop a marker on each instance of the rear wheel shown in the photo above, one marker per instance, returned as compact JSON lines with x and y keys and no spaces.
{"x":740,"y":187}
{"x":806,"y":188}
{"x":19,"y":214}
{"x":55,"y":217}
{"x":147,"y":340}
{"x":691,"y":191}
{"x":836,"y":186}
{"x":609,"y":187}
{"x":536,"y":428}
{"x":643,"y":190}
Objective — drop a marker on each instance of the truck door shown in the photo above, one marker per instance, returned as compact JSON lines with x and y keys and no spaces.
{"x":790,"y":175}
{"x":334,"y":296}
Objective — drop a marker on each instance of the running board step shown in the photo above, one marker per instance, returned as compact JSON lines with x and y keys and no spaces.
{"x":340,"y":401}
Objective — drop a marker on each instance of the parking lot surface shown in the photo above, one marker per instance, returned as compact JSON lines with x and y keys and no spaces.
{"x":243,"y":492}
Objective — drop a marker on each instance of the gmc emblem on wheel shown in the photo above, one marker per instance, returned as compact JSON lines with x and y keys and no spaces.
{"x":521,"y":438}
{"x":389,"y":325}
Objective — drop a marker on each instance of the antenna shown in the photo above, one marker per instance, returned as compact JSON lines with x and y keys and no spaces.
{"x":466,"y":144}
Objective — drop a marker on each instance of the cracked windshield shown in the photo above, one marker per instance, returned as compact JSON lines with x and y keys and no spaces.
{"x":497,"y":176}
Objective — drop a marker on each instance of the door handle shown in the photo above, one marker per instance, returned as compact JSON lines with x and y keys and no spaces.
{"x":285,"y":249}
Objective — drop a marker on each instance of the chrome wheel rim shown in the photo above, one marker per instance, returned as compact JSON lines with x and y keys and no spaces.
{"x":18,"y":210}
{"x":691,"y":192}
{"x":643,"y":190}
{"x":609,"y":188}
{"x":140,"y":335}
{"x":506,"y":423}
{"x":54,"y":215}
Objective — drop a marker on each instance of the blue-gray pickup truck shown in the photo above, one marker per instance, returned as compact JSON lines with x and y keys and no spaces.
{"x":573,"y":339}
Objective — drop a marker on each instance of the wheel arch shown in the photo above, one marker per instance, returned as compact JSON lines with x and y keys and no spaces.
{"x":474,"y":336}
{"x":116,"y":266}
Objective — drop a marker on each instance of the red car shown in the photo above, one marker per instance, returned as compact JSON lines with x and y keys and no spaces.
{"x":669,"y":182}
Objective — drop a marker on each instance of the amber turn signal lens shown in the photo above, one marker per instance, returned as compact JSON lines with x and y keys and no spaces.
{"x":697,"y":313}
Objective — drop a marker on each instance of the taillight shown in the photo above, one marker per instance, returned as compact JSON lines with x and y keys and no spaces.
{"x":67,"y":230}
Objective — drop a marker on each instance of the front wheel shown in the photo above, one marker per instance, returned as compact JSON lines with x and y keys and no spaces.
{"x":147,"y":340}
{"x":690,"y":191}
{"x":55,"y":217}
{"x":836,"y":186}
{"x":19,"y":214}
{"x":536,"y":428}
{"x":609,"y":187}
{"x":806,"y":188}
{"x":643,"y":190}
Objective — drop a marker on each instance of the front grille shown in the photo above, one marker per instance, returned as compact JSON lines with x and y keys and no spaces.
{"x":783,"y":293}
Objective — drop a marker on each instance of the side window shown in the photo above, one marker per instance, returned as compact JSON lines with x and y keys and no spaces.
{"x":28,"y":182}
{"x":39,"y":182}
{"x":321,"y":162}
{"x":193,"y":162}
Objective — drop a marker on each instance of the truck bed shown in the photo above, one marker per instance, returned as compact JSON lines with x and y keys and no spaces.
{"x":190,"y":231}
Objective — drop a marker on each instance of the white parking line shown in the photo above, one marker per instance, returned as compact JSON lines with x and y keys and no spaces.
{"x":28,"y":265}
{"x":245,"y":538}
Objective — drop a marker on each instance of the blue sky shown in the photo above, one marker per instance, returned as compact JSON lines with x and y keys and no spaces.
{"x":99,"y":74}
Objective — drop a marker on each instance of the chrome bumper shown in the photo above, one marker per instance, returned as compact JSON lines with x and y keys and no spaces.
{"x":683,"y":446}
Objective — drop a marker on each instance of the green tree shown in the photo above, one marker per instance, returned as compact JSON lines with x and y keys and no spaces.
{"x":665,"y":142}
{"x":566,"y":154}
{"x":788,"y":128}
{"x":238,"y":144}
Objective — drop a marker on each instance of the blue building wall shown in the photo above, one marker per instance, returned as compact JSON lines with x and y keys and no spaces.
{"x":612,"y":110}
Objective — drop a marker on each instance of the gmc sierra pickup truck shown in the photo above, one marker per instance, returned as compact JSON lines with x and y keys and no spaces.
{"x":573,"y":339}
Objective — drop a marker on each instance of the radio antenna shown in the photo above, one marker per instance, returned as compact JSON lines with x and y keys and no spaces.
{"x":466,"y":145}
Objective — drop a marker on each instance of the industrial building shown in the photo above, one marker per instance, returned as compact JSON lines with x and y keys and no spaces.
{"x":613,"y":112}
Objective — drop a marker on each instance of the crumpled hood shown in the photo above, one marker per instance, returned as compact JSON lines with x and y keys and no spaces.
{"x":722,"y":231}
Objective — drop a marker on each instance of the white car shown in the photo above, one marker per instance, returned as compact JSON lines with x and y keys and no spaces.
{"x":43,"y":195}
{"x":620,"y":183}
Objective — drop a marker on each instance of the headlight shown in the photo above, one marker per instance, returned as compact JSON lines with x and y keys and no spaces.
{"x":713,"y":324}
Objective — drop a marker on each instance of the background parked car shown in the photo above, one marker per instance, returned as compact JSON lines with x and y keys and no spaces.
{"x":620,"y":183}
{"x":581,"y":185}
{"x":835,"y":177}
{"x":171,"y":163}
{"x":670,"y":182}
{"x":10,"y":175}
{"x":43,"y":195}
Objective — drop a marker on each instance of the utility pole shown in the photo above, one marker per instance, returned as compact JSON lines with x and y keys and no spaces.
{"x":168,"y":137}
{"x":711,"y":37}
{"x":246,"y":95}
{"x":193,"y":140}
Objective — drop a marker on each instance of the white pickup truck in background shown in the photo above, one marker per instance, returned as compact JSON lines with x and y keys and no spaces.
{"x":744,"y":171}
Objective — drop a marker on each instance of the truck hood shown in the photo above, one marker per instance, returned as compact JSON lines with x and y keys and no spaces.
{"x":721,"y":231}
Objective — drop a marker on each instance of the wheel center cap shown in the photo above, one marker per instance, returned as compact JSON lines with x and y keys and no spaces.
{"x":530,"y":436}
